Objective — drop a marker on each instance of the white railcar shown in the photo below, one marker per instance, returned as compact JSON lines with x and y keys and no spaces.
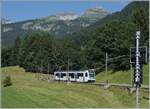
{"x":76,"y":76}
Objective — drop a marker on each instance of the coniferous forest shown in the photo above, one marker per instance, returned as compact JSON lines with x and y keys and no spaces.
{"x":85,"y":49}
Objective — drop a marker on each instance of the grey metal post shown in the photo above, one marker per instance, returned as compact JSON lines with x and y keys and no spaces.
{"x":48,"y":72}
{"x":106,"y":67}
{"x":41,"y":70}
{"x":71,"y":65}
{"x":131,"y":75}
{"x":137,"y":68}
{"x":68,"y":71}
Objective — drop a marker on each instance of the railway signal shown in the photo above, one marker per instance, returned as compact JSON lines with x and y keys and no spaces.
{"x":142,"y":59}
{"x":138,"y":56}
{"x":137,"y":69}
{"x":143,"y":55}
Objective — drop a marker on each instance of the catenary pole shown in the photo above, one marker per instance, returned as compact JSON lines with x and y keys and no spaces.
{"x":68,"y":71}
{"x":106,"y":66}
{"x":131,"y":75}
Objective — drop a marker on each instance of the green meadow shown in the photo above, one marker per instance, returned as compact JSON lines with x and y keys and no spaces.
{"x":122,"y":77}
{"x":27,"y":91}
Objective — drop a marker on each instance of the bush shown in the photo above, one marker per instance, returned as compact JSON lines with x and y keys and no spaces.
{"x":7,"y":81}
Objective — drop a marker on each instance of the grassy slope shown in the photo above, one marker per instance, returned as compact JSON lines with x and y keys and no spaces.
{"x":122,"y":76}
{"x":27,"y":91}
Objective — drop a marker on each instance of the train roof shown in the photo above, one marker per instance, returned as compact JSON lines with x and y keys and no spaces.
{"x":74,"y":71}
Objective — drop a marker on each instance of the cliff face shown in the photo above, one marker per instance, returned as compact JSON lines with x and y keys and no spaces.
{"x":66,"y":16}
{"x":95,"y":14}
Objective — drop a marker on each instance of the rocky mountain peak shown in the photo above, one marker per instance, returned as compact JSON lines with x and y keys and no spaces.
{"x":66,"y":16}
{"x":96,"y":10}
{"x":63,"y":16}
{"x":95,"y":14}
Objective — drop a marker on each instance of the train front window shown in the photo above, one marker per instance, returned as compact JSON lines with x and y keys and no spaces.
{"x":91,"y":75}
{"x":91,"y":71}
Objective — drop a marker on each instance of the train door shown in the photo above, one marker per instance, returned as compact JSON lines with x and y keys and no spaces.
{"x":76,"y":76}
{"x":57,"y":76}
{"x":63,"y":76}
{"x":72,"y":76}
{"x":80,"y":77}
{"x":86,"y":77}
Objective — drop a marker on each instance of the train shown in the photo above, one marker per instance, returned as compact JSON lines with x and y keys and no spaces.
{"x":75,"y":76}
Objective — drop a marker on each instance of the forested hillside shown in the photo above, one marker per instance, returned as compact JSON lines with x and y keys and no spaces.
{"x":85,"y":49}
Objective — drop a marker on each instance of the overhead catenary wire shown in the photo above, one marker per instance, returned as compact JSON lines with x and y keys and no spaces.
{"x":112,"y":59}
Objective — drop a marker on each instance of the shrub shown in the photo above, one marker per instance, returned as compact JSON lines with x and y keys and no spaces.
{"x":7,"y":81}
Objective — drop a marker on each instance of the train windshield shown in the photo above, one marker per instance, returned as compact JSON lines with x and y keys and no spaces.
{"x":91,"y":73}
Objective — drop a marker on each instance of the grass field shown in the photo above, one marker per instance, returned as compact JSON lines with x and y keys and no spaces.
{"x":122,"y":76}
{"x":28,"y":92}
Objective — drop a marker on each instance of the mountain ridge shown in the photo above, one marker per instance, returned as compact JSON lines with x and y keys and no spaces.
{"x":58,"y":24}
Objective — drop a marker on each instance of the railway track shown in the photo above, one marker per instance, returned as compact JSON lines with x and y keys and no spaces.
{"x":119,"y":85}
{"x":116,"y":85}
{"x":146,"y":87}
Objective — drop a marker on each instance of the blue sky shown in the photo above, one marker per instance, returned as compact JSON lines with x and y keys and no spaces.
{"x":25,"y":10}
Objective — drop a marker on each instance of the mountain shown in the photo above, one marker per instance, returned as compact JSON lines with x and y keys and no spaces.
{"x":59,"y":24}
{"x":87,"y":48}
{"x":125,"y":15}
{"x":114,"y":34}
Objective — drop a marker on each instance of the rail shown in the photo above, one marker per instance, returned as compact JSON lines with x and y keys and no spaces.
{"x":118,"y":85}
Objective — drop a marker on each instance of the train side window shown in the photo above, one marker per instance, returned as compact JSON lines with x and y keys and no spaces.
{"x":71,"y":74}
{"x":86,"y":75}
{"x":63,"y":74}
{"x":80,"y":74}
{"x":57,"y":74}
